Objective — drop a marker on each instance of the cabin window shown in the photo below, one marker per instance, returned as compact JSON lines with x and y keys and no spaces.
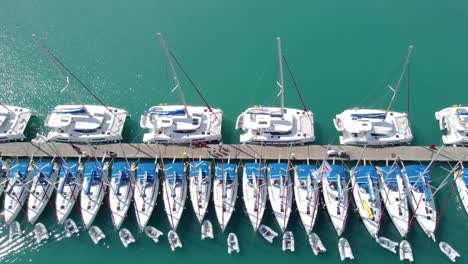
{"x":166,"y":121}
{"x":263,"y":122}
{"x":195,"y":122}
{"x":354,"y":135}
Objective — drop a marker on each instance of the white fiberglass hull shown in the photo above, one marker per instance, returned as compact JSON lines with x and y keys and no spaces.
{"x":15,"y":199}
{"x":65,"y":200}
{"x":455,"y":121}
{"x":174,"y":197}
{"x":39,"y":197}
{"x":370,"y":211}
{"x":281,"y":202}
{"x":336,"y":205}
{"x":254,"y":200}
{"x":462,"y":190}
{"x":14,"y":123}
{"x":144,"y":201}
{"x":119,"y":202}
{"x":396,"y":205}
{"x":90,"y":203}
{"x":200,"y":195}
{"x":224,"y":197}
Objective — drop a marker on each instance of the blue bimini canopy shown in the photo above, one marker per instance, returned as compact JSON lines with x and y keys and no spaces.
{"x":335,"y":171}
{"x":18,"y":168}
{"x":278,"y":170}
{"x":304,"y":171}
{"x":72,"y":111}
{"x":255,"y":168}
{"x":226,"y":168}
{"x":167,"y":112}
{"x":368,"y":116}
{"x":465,"y":175}
{"x":148,"y":168}
{"x":196,"y":166}
{"x":414,"y":175}
{"x":44,"y":169}
{"x":174,"y":171}
{"x":121,"y":167}
{"x":93,"y":169}
{"x":390,"y":174}
{"x":362,"y":173}
{"x":69,"y":169}
{"x":462,"y":112}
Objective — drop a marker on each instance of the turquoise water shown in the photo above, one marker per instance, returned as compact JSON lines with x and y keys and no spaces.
{"x":343,"y":54}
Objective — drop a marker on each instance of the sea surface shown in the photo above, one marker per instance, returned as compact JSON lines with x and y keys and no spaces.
{"x":343,"y":54}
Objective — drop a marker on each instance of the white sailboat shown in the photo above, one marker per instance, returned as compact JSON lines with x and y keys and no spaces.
{"x":174,"y":191}
{"x":461,"y":181}
{"x":146,"y":191}
{"x":417,"y":182}
{"x":335,"y":195}
{"x":280,"y":191}
{"x":13,"y":122}
{"x":200,"y":187}
{"x":94,"y":189}
{"x":306,"y":193}
{"x":70,"y":180}
{"x":393,"y":196}
{"x":44,"y":178}
{"x":121,"y":192}
{"x":17,"y":189}
{"x":455,"y":120}
{"x":254,"y":192}
{"x":375,"y":127}
{"x":366,"y":197}
{"x":276,"y":125}
{"x":181,"y":124}
{"x":225,"y":192}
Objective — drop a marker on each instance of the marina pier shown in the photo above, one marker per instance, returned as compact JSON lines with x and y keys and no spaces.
{"x":232,"y":151}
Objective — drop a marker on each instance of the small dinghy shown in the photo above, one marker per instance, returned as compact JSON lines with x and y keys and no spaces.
{"x":153,"y":233}
{"x":233,"y":243}
{"x":40,"y":233}
{"x":405,"y":251}
{"x":267,"y":233}
{"x":388,"y":244}
{"x":15,"y":230}
{"x":70,"y":227}
{"x":174,"y":240}
{"x":345,"y":249}
{"x":449,"y":251}
{"x":316,"y":244}
{"x":96,"y":234}
{"x":207,"y":230}
{"x":288,"y":241}
{"x":126,"y":237}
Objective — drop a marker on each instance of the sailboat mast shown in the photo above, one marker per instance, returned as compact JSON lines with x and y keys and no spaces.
{"x":407,"y":60}
{"x":281,"y":80}
{"x":174,"y":73}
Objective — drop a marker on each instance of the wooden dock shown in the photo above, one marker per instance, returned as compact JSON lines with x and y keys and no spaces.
{"x":234,"y":152}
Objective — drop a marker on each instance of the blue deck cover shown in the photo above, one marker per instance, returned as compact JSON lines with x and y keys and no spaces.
{"x":20,"y":168}
{"x":227,"y":168}
{"x":121,"y":167}
{"x":148,"y":168}
{"x":369,"y":116}
{"x":93,"y":171}
{"x":167,"y":112}
{"x":304,"y":171}
{"x":465,"y":175}
{"x":174,"y":169}
{"x":390,"y":174}
{"x":73,"y":111}
{"x":278,"y":170}
{"x":361,"y":174}
{"x":255,"y":168}
{"x":195,"y":167}
{"x":335,"y":171}
{"x":43,"y":169}
{"x":68,"y":169}
{"x":418,"y":182}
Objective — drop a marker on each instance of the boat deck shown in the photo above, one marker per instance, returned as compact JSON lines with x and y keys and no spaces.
{"x":234,"y":151}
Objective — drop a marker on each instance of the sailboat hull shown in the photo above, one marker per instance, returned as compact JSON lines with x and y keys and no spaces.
{"x":119,"y":202}
{"x":15,"y":199}
{"x":65,"y":200}
{"x":370,"y":211}
{"x":336,"y":205}
{"x":144,"y":201}
{"x":39,"y":196}
{"x":462,"y":189}
{"x":174,"y":201}
{"x":200,"y":196}
{"x":90,"y":203}
{"x":254,"y":200}
{"x":281,"y":201}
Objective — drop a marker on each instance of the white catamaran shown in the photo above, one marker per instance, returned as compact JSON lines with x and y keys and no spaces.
{"x":276,"y":125}
{"x":13,"y":122}
{"x":461,"y":180}
{"x":366,"y":196}
{"x":94,"y":189}
{"x":374,"y":127}
{"x":417,"y":182}
{"x":280,"y":191}
{"x":254,"y":192}
{"x":174,"y":191}
{"x":121,"y":192}
{"x":225,"y":192}
{"x":181,"y":124}
{"x":200,"y":187}
{"x":44,"y":178}
{"x":455,"y":121}
{"x":393,"y":195}
{"x":146,"y":191}
{"x":306,"y":193}
{"x":70,"y":180}
{"x":17,"y":189}
{"x":335,"y":195}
